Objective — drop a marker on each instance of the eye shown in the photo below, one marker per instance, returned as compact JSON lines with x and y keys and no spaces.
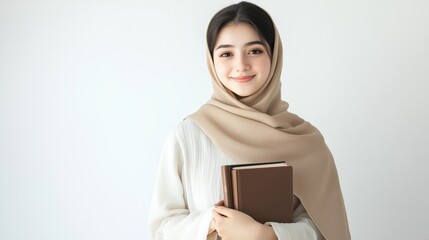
{"x":225,"y":54}
{"x":255,"y":52}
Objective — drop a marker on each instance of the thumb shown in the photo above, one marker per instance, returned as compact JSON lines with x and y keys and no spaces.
{"x":227,"y":212}
{"x":220,"y":203}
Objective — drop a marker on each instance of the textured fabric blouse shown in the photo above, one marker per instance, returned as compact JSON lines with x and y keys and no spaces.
{"x":188,"y":184}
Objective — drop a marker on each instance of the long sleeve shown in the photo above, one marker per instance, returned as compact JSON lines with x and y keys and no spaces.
{"x":302,"y":228}
{"x":189,"y":183}
{"x":170,"y":217}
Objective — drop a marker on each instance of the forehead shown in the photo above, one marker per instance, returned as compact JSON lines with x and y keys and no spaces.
{"x":237,"y":34}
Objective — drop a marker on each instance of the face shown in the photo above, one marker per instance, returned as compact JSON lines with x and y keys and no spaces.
{"x":241,"y":59}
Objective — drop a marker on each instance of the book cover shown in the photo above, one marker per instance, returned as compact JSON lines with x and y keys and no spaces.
{"x":262,"y":190}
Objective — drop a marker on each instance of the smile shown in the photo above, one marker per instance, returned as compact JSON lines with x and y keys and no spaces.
{"x":242,"y":79}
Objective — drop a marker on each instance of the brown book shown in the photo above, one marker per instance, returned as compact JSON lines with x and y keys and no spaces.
{"x":262,"y":190}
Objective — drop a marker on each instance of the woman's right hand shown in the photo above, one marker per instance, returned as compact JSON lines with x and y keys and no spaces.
{"x":211,"y":226}
{"x":233,"y":224}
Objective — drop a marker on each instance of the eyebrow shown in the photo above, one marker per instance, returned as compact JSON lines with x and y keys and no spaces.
{"x":247,"y":44}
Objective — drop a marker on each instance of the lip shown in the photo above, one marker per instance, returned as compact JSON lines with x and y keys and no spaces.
{"x":242,"y":79}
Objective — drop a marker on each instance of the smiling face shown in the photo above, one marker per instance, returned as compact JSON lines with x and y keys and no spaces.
{"x":241,"y":59}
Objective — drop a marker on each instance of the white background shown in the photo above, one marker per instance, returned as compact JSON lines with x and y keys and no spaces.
{"x":89,"y":90}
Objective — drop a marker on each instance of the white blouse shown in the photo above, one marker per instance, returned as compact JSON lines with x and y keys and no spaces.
{"x":188,"y":184}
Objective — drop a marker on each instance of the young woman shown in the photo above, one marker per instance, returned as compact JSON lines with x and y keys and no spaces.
{"x":244,"y":121}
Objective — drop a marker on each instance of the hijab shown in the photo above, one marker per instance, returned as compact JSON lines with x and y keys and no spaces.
{"x":259,"y":128}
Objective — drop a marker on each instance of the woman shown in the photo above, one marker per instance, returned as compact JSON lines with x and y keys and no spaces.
{"x":244,"y":121}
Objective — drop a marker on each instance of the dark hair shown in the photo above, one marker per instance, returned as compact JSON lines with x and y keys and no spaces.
{"x":242,"y":12}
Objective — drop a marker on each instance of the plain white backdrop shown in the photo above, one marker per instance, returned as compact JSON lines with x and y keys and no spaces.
{"x":89,"y":90}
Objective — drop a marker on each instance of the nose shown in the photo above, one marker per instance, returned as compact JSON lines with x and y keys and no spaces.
{"x":242,"y":63}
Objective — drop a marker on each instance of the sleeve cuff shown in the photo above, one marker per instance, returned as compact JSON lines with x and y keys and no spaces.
{"x":206,"y":218}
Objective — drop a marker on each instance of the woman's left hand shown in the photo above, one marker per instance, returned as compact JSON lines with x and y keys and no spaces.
{"x":232,"y":224}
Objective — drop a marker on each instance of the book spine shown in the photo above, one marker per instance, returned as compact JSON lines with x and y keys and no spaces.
{"x":235,"y":189}
{"x":227,"y":186}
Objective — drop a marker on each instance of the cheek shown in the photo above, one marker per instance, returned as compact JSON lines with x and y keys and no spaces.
{"x":264,"y":66}
{"x":221,"y":69}
{"x":268,"y":67}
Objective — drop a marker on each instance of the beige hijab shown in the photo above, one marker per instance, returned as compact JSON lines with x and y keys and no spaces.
{"x":259,"y":128}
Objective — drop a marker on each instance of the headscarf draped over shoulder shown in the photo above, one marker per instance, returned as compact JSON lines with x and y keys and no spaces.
{"x":259,"y":128}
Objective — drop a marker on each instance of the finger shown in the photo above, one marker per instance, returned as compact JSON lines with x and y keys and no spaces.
{"x":212,"y":225}
{"x":212,"y":222}
{"x":217,"y":218}
{"x":227,"y":212}
{"x":220,"y":203}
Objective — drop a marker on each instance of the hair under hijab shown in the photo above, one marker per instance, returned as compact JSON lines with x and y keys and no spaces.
{"x":242,"y":12}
